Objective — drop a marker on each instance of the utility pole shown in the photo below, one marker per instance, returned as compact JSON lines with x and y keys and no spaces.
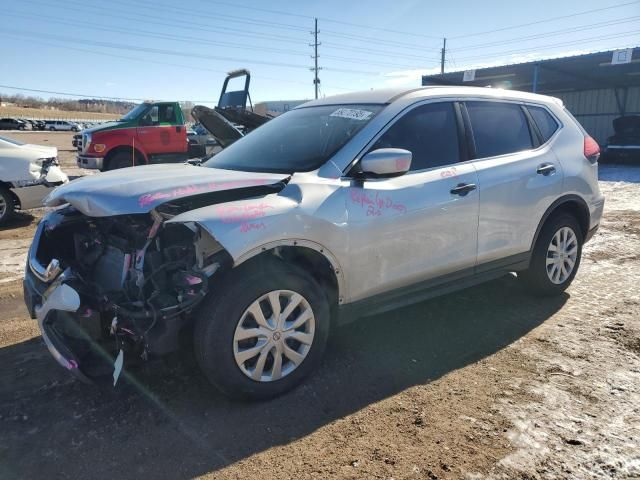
{"x":315,"y":45}
{"x":443,"y":55}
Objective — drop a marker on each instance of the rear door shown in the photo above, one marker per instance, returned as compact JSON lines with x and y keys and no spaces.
{"x":421,"y":225}
{"x":519,"y":178}
{"x":161,"y":130}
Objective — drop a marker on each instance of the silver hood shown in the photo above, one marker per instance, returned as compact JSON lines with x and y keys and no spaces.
{"x":140,"y":189}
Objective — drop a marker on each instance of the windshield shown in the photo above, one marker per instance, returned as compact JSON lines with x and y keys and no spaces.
{"x":134,"y":113}
{"x":300,"y":140}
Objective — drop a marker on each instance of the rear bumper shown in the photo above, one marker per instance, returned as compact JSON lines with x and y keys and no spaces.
{"x":90,"y":162}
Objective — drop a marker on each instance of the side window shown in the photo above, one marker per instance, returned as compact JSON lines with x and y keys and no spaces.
{"x":429,"y":132}
{"x":498,"y":128}
{"x":544,"y":121}
{"x":167,"y":114}
{"x":151,"y":117}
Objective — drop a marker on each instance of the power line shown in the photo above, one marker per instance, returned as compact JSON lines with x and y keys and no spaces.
{"x":563,"y":44}
{"x":160,"y":51}
{"x":382,"y":53}
{"x":325,"y":19}
{"x":551,"y":19}
{"x":217,"y":16}
{"x":150,"y":34}
{"x":80,"y":95}
{"x":410,"y":46}
{"x":149,"y":19}
{"x":189,"y":39}
{"x":191,"y":67}
{"x":176,"y":23}
{"x":547,"y":34}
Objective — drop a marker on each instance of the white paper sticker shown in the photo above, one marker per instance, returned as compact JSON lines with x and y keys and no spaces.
{"x":469,"y":76}
{"x":352,"y":113}
{"x":622,"y":56}
{"x":117,"y":367}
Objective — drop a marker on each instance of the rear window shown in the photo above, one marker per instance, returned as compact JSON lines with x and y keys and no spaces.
{"x":546,"y":124}
{"x":498,"y":128}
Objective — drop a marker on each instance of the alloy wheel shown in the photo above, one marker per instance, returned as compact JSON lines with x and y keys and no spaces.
{"x":562,"y":255}
{"x":274,"y":335}
{"x":3,"y":207}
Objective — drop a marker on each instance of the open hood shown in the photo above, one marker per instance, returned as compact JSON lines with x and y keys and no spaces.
{"x":222,"y":130}
{"x":140,"y":189}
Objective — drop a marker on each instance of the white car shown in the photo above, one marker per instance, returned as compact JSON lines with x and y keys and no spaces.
{"x":61,"y":125}
{"x":27,"y":174}
{"x":341,"y":207}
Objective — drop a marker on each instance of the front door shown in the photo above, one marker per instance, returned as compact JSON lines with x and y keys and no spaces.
{"x":421,"y":225}
{"x":160,"y":130}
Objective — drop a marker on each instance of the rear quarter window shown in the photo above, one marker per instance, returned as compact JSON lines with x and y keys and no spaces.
{"x":547,"y":125}
{"x":498,"y":128}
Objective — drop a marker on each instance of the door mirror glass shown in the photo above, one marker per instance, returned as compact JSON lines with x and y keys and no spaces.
{"x":386,"y":162}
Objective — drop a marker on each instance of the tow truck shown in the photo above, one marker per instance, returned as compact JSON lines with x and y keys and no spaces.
{"x":155,"y":132}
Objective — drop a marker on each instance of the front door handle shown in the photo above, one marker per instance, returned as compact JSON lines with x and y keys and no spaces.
{"x":546,"y":169}
{"x":463,"y":188}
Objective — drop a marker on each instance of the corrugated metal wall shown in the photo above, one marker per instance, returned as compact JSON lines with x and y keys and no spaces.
{"x":596,"y":109}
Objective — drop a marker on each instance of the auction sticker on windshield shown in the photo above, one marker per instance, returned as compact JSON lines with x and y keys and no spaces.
{"x":352,"y":113}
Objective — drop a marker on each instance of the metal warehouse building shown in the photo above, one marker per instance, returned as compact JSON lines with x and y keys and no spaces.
{"x":595,"y":87}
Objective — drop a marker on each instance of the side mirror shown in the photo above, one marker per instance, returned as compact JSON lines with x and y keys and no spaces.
{"x":386,"y":162}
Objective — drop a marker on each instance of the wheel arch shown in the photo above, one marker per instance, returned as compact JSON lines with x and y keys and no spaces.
{"x":572,"y":204}
{"x":311,"y":256}
{"x":140,"y":156}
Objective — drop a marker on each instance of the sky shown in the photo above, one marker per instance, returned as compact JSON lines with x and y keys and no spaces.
{"x":167,"y":50}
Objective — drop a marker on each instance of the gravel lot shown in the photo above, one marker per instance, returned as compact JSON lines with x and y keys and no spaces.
{"x":485,"y":383}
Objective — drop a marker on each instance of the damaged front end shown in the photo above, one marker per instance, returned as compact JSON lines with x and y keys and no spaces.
{"x":103,"y":287}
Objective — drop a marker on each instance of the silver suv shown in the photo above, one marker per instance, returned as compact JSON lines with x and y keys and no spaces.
{"x":341,"y":207}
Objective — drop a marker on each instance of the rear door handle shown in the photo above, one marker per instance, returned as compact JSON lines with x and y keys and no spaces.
{"x":546,"y":169}
{"x":463,"y":188}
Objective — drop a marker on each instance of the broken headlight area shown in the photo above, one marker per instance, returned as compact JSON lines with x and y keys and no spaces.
{"x":138,"y":279}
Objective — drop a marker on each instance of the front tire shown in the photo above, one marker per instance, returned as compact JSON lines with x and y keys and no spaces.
{"x":7,"y":207}
{"x":262,"y":330}
{"x":120,"y":160}
{"x":556,"y":256}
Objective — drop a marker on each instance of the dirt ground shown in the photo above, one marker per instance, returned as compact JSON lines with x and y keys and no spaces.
{"x":21,"y":112}
{"x":485,"y":383}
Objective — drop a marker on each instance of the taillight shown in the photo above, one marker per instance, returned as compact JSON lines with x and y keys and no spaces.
{"x":591,"y":149}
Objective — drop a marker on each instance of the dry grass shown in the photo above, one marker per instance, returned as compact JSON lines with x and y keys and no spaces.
{"x":41,"y":113}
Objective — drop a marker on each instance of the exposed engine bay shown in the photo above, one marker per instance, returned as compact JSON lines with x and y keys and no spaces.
{"x":137,"y":278}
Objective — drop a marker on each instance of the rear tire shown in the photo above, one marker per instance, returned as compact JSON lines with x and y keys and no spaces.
{"x":556,"y":256}
{"x":227,"y":333}
{"x":7,"y":207}
{"x":120,"y":160}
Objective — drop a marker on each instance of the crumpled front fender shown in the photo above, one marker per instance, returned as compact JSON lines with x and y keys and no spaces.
{"x":246,"y":228}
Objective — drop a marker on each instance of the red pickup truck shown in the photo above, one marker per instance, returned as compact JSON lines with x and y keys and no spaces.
{"x":153,"y":132}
